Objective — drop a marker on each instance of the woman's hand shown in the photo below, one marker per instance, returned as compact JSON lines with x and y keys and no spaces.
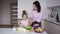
{"x":30,"y":20}
{"x":33,"y":21}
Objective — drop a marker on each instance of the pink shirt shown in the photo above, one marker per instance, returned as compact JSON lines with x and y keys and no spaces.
{"x":36,"y":16}
{"x":25,"y":22}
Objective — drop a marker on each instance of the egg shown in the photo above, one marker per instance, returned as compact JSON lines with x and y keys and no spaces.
{"x":21,"y":29}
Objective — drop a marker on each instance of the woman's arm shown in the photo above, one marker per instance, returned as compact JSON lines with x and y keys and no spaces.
{"x":30,"y":20}
{"x":40,"y":17}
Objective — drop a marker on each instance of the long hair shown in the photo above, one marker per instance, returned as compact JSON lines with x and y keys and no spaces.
{"x":37,"y":5}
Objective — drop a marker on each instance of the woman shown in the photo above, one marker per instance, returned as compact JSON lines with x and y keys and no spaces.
{"x":36,"y":13}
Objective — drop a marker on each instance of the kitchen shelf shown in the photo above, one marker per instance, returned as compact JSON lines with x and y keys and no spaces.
{"x":14,"y":6}
{"x":14,"y":10}
{"x":14,"y":14}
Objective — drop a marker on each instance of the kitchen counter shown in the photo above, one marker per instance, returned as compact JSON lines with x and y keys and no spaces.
{"x":51,"y":27}
{"x":53,"y":22}
{"x":10,"y":31}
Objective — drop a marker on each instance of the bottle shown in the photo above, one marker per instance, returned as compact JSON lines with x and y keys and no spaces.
{"x":57,"y":17}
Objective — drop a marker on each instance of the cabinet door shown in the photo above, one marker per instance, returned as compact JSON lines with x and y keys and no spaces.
{"x":49,"y":28}
{"x":52,"y":28}
{"x":57,"y":29}
{"x":52,"y":3}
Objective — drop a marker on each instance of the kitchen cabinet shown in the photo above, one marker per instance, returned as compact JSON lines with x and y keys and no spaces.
{"x":51,"y":28}
{"x":52,"y":3}
{"x":57,"y":29}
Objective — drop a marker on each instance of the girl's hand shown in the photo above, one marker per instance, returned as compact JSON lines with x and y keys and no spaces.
{"x":22,"y":26}
{"x":19,"y":22}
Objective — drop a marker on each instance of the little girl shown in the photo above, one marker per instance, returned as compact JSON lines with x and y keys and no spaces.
{"x":24,"y":22}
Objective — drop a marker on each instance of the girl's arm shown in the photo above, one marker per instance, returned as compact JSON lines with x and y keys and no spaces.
{"x":19,"y":22}
{"x":22,"y":25}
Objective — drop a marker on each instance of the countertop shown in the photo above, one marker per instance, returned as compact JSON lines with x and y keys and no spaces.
{"x":10,"y":31}
{"x":53,"y":22}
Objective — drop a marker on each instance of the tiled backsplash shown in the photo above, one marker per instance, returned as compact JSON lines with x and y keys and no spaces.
{"x":56,"y":11}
